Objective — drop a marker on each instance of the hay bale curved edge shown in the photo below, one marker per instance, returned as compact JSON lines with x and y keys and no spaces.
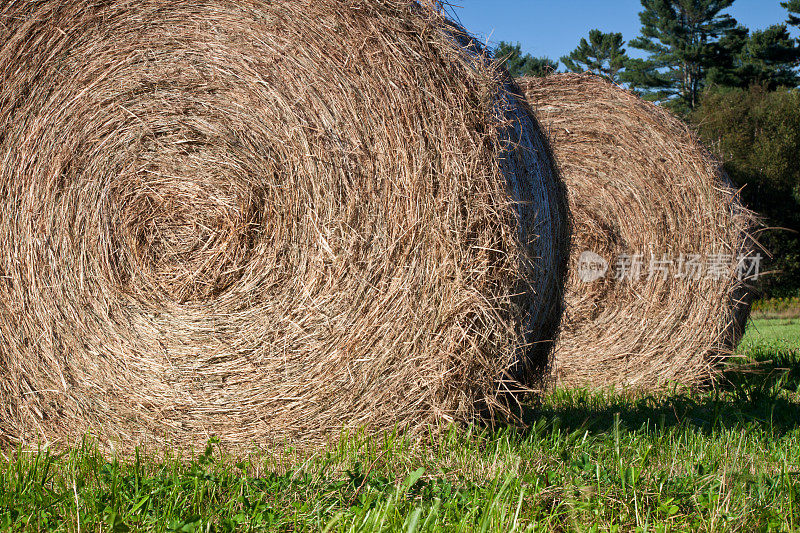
{"x":264,"y":220}
{"x":640,"y":184}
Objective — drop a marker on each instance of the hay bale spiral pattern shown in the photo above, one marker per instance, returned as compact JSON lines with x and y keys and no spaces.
{"x":263,"y":220}
{"x":638,"y":182}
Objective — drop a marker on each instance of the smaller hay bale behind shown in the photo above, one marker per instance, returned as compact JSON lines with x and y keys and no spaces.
{"x":264,"y":221}
{"x":639,"y":182}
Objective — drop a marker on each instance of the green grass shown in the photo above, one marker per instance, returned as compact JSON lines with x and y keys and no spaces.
{"x":726,"y":459}
{"x":783,"y":334}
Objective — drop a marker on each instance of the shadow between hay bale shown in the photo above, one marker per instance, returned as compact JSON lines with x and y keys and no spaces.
{"x":265,"y":221}
{"x":638,"y":182}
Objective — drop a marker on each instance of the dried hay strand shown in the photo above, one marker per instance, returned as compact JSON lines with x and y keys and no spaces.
{"x":265,"y":221}
{"x":638,"y":182}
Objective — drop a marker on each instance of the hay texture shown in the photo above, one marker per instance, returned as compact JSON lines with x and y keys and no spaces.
{"x":639,"y":183}
{"x":264,"y":220}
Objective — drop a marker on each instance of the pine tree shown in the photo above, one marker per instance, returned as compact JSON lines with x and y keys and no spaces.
{"x":725,"y":58}
{"x":764,"y":57}
{"x":541,"y":66}
{"x":681,"y":38}
{"x":770,"y":57}
{"x":794,"y":11}
{"x":602,"y":54}
{"x":523,"y":65}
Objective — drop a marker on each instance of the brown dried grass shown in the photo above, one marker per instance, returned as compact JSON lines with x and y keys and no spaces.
{"x":264,"y":220}
{"x":638,"y":182}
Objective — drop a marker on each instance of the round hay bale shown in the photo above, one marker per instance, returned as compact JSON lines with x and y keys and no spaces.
{"x":640,"y":184}
{"x":264,"y":220}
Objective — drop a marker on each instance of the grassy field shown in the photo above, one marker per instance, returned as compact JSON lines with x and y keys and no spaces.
{"x":719,"y":460}
{"x":780,"y":334}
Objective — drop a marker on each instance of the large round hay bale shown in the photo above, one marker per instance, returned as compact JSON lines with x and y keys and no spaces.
{"x":642,"y":192}
{"x":264,"y":220}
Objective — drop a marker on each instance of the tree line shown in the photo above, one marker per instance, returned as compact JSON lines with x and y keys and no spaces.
{"x":737,"y":87}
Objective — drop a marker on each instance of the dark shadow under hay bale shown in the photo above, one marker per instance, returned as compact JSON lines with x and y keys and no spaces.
{"x":264,"y":220}
{"x":639,"y":183}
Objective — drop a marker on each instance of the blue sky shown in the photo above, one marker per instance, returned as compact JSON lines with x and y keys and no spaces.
{"x":553,"y":27}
